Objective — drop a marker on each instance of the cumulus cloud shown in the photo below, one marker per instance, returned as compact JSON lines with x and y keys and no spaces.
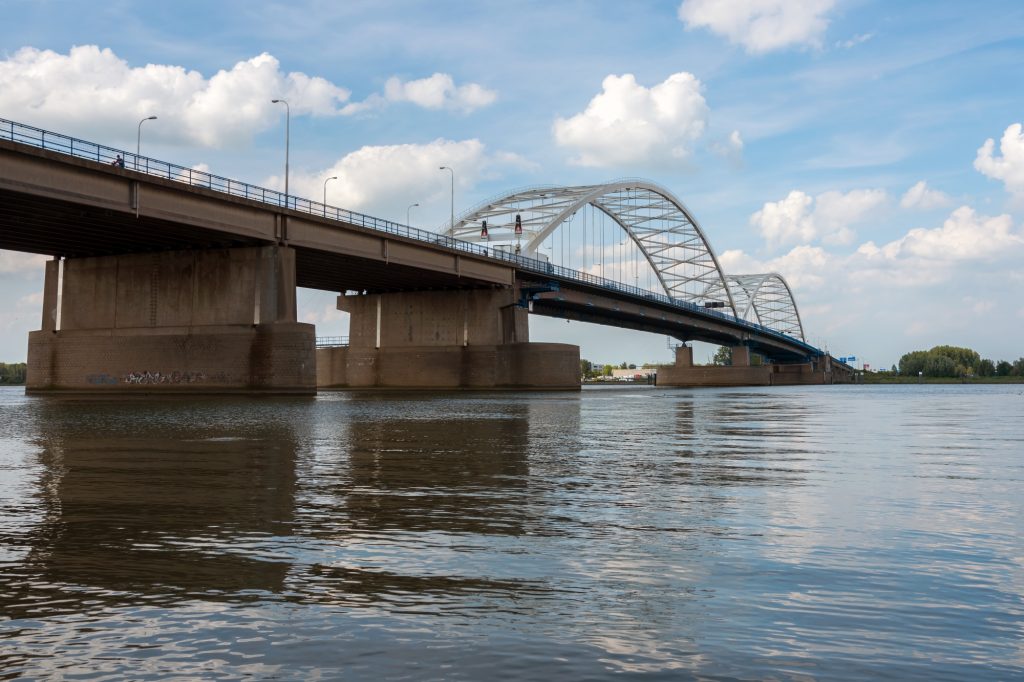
{"x":801,"y":218}
{"x":963,"y":236}
{"x":384,"y":180}
{"x":628,"y":124}
{"x":1010,"y":166}
{"x":439,"y":92}
{"x":760,"y":25}
{"x":910,"y":284}
{"x":923,"y":197}
{"x":922,"y":257}
{"x":803,"y":267}
{"x":91,"y":91}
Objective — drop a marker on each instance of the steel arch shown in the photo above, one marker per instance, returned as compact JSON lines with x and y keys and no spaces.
{"x":666,"y":233}
{"x":769,"y":298}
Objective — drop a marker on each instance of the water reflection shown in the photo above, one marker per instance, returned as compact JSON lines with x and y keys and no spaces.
{"x":722,"y":533}
{"x":144,"y":511}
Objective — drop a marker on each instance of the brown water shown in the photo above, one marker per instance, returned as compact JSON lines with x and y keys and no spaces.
{"x":820,"y":532}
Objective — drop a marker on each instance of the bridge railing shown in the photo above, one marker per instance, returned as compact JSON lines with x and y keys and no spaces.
{"x":64,"y":144}
{"x":331,"y":341}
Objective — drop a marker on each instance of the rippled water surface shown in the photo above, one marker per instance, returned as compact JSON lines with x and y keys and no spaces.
{"x":795,"y":533}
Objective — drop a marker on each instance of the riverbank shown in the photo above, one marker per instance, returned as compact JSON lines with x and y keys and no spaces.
{"x":873,"y":378}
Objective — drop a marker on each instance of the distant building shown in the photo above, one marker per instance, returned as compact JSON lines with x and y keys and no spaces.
{"x":638,"y":373}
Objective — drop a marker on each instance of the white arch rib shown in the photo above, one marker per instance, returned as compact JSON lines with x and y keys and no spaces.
{"x":769,"y":297}
{"x":667,"y":234}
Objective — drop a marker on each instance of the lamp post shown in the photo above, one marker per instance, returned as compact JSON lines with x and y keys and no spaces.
{"x":138,"y":140}
{"x":287,"y":142}
{"x":449,"y":169}
{"x":333,"y":177}
{"x":408,"y":220}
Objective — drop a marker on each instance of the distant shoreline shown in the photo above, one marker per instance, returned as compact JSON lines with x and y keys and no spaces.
{"x":870,"y":378}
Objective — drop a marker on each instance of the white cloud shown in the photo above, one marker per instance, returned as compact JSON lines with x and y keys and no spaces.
{"x":731,"y":148}
{"x":93,"y":91}
{"x":923,"y":197}
{"x":920,"y":257}
{"x":384,"y":180}
{"x":1010,"y":167}
{"x":760,"y":25}
{"x":801,"y":218}
{"x":913,"y":285}
{"x":628,"y":124}
{"x":439,"y":92}
{"x":963,"y":236}
{"x":855,"y":40}
{"x":15,"y":262}
{"x":803,"y":267}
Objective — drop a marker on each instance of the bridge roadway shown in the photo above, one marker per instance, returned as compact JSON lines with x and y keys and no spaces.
{"x":69,"y":201}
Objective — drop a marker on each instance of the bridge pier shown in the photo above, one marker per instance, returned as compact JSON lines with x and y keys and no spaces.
{"x":742,"y":373}
{"x":208,"y":321}
{"x":474,"y":338}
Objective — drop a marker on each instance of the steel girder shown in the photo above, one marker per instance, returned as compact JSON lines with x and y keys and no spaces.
{"x":768,"y":297}
{"x":659,"y":224}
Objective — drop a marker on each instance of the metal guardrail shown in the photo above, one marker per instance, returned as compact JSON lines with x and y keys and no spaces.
{"x":64,"y":144}
{"x":331,"y":341}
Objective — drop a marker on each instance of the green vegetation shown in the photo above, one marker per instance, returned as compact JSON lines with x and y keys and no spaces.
{"x":12,"y":374}
{"x":956,"y":362}
{"x":723,"y":356}
{"x":949,"y":364}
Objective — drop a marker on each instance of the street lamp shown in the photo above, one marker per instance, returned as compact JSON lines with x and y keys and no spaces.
{"x":138,"y":139}
{"x":407,"y":218}
{"x":449,"y":169}
{"x":333,"y":177}
{"x":287,"y":142}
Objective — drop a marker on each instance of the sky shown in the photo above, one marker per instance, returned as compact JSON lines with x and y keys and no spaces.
{"x":870,"y":152}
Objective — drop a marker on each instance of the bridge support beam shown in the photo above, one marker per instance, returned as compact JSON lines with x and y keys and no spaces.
{"x":210,"y":321}
{"x":476,"y":338}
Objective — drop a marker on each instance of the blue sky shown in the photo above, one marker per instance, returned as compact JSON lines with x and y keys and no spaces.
{"x":794,"y":131}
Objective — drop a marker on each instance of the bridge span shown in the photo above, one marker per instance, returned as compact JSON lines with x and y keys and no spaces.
{"x":166,"y":278}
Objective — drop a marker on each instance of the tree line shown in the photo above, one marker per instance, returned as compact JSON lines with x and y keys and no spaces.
{"x":591,"y":370}
{"x":13,"y":373}
{"x":953,"y":361}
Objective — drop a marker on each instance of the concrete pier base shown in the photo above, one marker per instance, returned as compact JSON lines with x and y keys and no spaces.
{"x":742,"y":373}
{"x":541,"y":366}
{"x":211,"y":321}
{"x":473,"y":339}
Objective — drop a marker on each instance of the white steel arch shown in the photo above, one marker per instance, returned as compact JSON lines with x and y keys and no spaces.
{"x":768,"y":297}
{"x":668,"y":236}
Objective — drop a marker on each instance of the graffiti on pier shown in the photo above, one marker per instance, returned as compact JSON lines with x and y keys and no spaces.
{"x":102,"y":379}
{"x":149,"y":378}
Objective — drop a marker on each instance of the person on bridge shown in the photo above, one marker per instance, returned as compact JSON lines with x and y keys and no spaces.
{"x":118,"y":162}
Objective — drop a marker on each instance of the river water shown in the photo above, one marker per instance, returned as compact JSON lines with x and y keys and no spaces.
{"x":843,"y":532}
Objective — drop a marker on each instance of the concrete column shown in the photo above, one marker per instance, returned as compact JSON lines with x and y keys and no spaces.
{"x":276,"y":285}
{"x":475,"y":338}
{"x":215,"y":320}
{"x":740,"y":356}
{"x":51,"y":296}
{"x":684,"y":356}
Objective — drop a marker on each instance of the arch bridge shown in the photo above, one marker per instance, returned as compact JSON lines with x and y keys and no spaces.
{"x":169,"y":279}
{"x":655,"y":229}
